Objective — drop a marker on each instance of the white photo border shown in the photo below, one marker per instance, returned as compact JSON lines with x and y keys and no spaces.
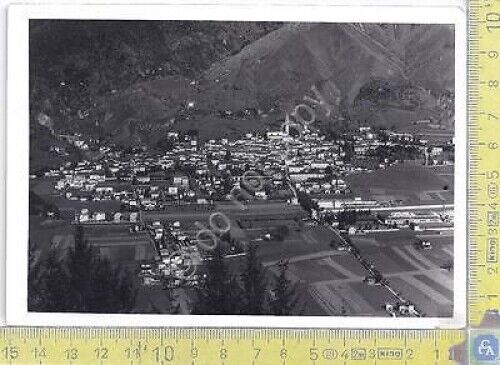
{"x":17,"y":171}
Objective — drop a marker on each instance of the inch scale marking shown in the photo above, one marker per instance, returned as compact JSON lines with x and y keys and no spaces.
{"x":484,"y":162}
{"x":235,"y":346}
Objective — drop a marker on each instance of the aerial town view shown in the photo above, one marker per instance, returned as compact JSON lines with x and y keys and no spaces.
{"x":261,"y":168}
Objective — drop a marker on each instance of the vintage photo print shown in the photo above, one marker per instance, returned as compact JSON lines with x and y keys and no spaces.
{"x":183,"y":165}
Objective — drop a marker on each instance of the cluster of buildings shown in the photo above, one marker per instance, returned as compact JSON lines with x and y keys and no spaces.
{"x":274,"y":166}
{"x":417,"y":220}
{"x":177,"y":258}
{"x":86,"y":215}
{"x":198,"y":173}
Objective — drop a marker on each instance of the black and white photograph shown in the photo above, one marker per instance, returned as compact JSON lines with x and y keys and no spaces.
{"x":257,"y":168}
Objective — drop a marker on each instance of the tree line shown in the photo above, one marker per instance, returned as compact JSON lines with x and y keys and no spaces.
{"x":82,"y":280}
{"x":224,"y":290}
{"x":79,"y":280}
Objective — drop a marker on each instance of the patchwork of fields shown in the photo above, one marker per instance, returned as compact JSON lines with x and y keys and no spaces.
{"x":331,"y":282}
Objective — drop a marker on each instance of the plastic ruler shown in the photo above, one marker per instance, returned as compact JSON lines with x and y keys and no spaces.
{"x":484,"y":160}
{"x":227,"y":346}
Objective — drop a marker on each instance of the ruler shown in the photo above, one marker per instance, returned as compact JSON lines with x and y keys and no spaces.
{"x":484,"y":165}
{"x":272,"y":346}
{"x":227,"y":346}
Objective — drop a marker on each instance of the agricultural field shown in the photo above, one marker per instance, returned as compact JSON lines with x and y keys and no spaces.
{"x":42,"y":232}
{"x":331,"y":281}
{"x":309,"y":242}
{"x":410,"y":183}
{"x":419,"y":275}
{"x":334,"y":282}
{"x":116,"y":242}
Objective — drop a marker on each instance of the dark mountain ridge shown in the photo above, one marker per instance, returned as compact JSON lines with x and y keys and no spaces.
{"x":221,"y":78}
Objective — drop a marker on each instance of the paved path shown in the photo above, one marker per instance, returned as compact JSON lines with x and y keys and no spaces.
{"x":310,"y":256}
{"x":328,"y":261}
{"x":414,"y":207}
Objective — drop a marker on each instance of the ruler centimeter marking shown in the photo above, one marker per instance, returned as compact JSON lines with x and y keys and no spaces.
{"x":484,"y":160}
{"x":227,"y":346}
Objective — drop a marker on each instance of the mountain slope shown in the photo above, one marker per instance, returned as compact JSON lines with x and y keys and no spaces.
{"x":377,"y":74}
